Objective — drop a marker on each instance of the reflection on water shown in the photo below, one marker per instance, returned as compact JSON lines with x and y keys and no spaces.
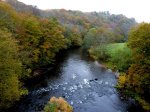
{"x":85,"y":84}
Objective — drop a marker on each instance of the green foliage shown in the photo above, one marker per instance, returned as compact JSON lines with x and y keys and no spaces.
{"x":10,"y":70}
{"x":96,"y":40}
{"x":9,"y":18}
{"x":116,"y":56}
{"x":138,"y":76}
{"x":120,"y":56}
{"x":118,"y":24}
{"x":99,"y":53}
{"x":29,"y":39}
{"x":76,"y":39}
{"x":139,"y":42}
{"x":97,"y":37}
{"x":50,"y":107}
{"x":73,"y":37}
{"x":112,"y":48}
{"x":89,"y":38}
{"x":28,"y":42}
{"x":31,"y":42}
{"x":145,"y":105}
{"x":39,"y":40}
{"x":51,"y":41}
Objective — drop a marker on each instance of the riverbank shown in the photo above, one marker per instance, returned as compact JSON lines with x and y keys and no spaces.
{"x":115,"y":56}
{"x":118,"y":58}
{"x":78,"y":79}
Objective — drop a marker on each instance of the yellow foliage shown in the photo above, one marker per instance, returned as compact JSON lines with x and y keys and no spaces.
{"x":46,"y":45}
{"x":122,"y":80}
{"x":61,"y":105}
{"x":36,"y":55}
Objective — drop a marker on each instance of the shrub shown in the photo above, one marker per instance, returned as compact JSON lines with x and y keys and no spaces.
{"x":98,"y":53}
{"x":58,"y":105}
{"x":122,"y":80}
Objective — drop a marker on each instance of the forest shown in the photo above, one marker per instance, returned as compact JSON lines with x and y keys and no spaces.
{"x":30,"y":38}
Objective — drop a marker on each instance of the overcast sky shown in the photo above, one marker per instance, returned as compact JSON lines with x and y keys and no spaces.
{"x":139,"y":9}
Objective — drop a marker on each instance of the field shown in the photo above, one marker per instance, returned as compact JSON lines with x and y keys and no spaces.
{"x":113,"y":48}
{"x":116,"y":56}
{"x":119,"y":56}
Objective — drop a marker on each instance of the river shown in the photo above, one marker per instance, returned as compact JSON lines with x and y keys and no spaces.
{"x":85,"y":84}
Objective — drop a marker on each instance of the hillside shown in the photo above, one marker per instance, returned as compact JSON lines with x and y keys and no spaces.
{"x":82,"y":21}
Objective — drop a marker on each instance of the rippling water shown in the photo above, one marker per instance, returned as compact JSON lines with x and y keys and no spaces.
{"x":85,"y":84}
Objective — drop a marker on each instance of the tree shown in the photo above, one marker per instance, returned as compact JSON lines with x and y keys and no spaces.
{"x":139,"y":42}
{"x":51,"y":41}
{"x":31,"y":39}
{"x":73,"y":36}
{"x":97,"y":37}
{"x":9,"y":18}
{"x":138,"y":76}
{"x":90,"y":38}
{"x":10,"y":70}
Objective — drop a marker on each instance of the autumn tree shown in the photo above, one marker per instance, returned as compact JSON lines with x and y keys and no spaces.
{"x":97,"y":37}
{"x":9,"y":18}
{"x":10,"y":70}
{"x":73,"y":37}
{"x":138,"y":76}
{"x":51,"y":41}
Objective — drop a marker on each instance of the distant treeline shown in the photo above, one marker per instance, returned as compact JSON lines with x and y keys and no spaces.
{"x":82,"y":21}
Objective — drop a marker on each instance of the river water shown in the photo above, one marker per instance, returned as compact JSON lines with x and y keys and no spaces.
{"x":85,"y":84}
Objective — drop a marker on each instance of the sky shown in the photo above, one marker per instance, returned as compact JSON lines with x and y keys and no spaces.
{"x":138,"y":9}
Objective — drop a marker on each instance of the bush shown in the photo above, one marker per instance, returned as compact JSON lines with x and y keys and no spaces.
{"x":98,"y":53}
{"x":58,"y":105}
{"x":122,"y":80}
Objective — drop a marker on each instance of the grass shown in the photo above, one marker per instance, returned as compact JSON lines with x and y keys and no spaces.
{"x":116,"y":56}
{"x":112,"y":48}
{"x":120,"y":56}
